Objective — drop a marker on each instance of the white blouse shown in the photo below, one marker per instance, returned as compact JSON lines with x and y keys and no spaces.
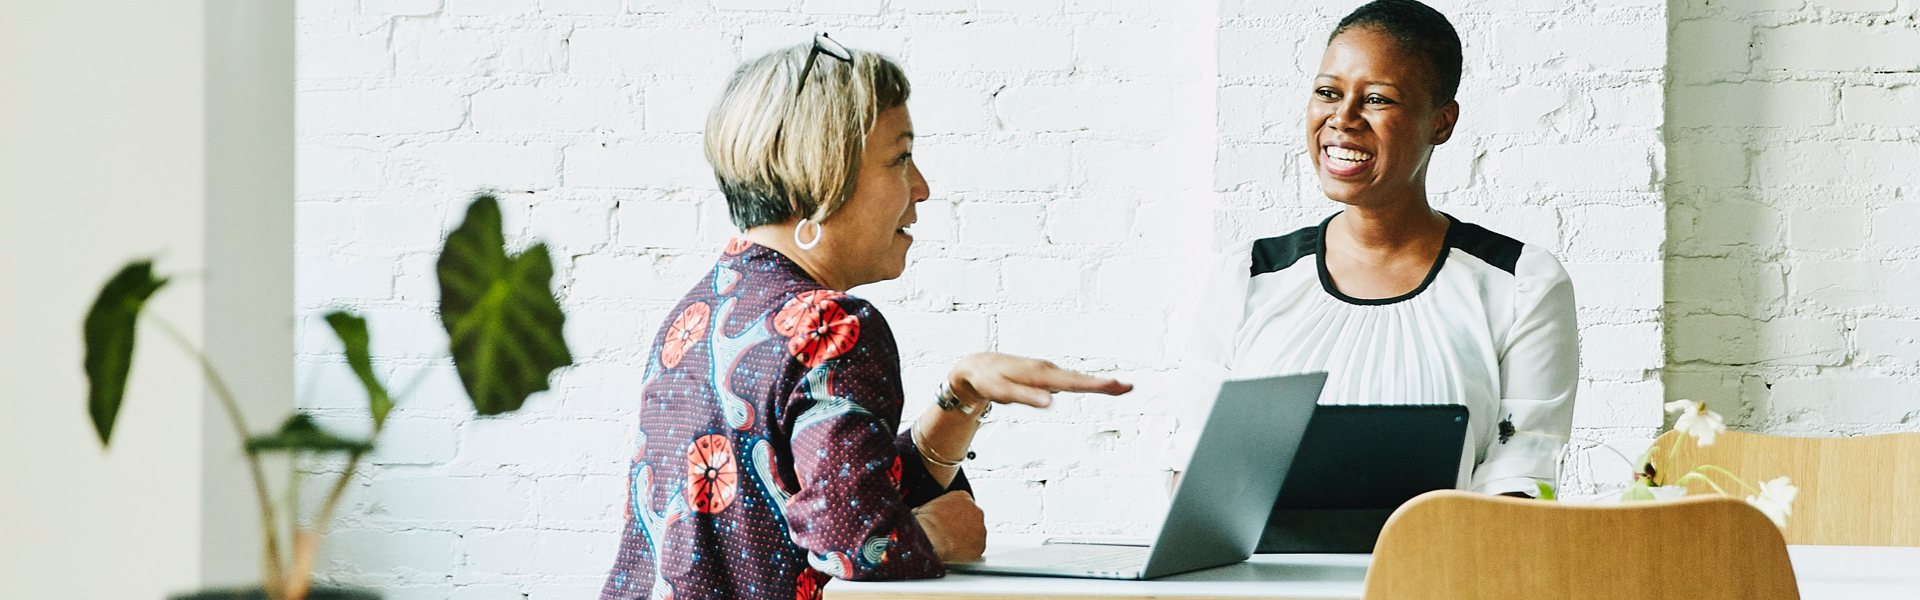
{"x":1492,"y":327}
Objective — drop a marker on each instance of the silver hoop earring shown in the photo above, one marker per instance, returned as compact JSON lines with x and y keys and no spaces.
{"x":819,"y":231}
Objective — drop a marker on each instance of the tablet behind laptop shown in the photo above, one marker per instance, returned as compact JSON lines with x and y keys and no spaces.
{"x":1218,"y":505}
{"x":1355,"y":465}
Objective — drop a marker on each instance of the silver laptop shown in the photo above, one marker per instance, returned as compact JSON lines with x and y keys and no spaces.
{"x":1221,"y":503}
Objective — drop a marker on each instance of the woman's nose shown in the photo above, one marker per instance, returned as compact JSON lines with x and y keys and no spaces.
{"x":918,"y":189}
{"x":1345,"y":114}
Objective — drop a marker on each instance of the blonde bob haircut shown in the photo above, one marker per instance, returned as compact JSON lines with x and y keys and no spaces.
{"x":780,"y":148}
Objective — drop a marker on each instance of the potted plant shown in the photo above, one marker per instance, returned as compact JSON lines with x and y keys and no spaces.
{"x":504,"y":329}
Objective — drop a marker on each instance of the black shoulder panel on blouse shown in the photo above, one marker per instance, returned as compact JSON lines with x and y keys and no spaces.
{"x":1498,"y":250}
{"x":1276,"y":253}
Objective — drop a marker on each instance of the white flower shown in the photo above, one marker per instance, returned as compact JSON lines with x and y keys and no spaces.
{"x":1775,"y":500}
{"x":1696,"y":420}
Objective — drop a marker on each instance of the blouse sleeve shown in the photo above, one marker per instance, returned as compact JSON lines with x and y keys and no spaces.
{"x":1202,"y":339}
{"x":1539,"y":371}
{"x":850,"y":513}
{"x":918,"y":485}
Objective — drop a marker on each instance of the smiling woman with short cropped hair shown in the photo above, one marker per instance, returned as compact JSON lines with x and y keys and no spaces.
{"x":1398,"y":302}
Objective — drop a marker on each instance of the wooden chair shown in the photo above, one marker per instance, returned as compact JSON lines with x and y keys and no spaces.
{"x":1454,"y":545}
{"x":1854,"y":491}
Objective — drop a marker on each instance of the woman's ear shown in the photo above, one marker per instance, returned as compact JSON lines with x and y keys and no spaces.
{"x":1443,"y":122}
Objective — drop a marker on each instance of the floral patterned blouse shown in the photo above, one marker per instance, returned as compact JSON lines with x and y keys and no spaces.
{"x":768,"y":458}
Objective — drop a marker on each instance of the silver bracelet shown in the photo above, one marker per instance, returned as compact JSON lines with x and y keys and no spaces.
{"x":948,"y":401}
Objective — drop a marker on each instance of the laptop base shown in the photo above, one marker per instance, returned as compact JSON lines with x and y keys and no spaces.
{"x":1063,"y":560}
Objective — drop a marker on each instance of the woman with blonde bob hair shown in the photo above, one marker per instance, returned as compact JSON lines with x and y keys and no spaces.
{"x":769,"y":457}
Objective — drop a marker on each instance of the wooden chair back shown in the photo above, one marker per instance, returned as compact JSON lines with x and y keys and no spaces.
{"x":1854,"y":491}
{"x":1454,"y":545}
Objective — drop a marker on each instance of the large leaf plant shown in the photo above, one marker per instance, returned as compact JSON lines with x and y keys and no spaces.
{"x":501,"y":318}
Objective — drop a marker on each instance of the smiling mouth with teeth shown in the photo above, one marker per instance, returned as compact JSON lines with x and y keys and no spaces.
{"x":1347,"y":154}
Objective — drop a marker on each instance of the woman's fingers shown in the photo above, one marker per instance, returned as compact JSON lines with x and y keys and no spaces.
{"x":1008,"y":391}
{"x":1017,"y":380}
{"x":1062,"y":380}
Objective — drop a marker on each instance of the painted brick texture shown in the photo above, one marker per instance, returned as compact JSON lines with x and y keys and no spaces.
{"x":1792,"y":272}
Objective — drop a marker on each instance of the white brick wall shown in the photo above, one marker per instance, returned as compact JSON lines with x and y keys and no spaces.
{"x":1082,"y":155}
{"x":1792,"y":271}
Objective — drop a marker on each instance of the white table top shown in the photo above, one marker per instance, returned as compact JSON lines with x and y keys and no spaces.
{"x":1824,"y":573}
{"x":1856,"y":572}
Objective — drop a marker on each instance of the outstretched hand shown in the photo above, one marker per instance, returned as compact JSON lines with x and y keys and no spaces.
{"x":1008,"y":379}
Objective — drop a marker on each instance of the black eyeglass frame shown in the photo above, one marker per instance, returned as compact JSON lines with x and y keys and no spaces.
{"x":821,"y":45}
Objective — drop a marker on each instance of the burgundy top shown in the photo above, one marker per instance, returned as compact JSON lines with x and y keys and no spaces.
{"x":767,"y":455}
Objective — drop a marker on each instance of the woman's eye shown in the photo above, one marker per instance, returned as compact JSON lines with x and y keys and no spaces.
{"x":904,"y":159}
{"x":1326,"y":93}
{"x":1378,"y":100}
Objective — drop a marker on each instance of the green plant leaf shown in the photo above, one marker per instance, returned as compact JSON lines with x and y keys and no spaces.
{"x":301,"y":434}
{"x":1637,"y":492}
{"x":503,"y":322}
{"x":1544,"y":491}
{"x":108,"y":333}
{"x":352,"y":331}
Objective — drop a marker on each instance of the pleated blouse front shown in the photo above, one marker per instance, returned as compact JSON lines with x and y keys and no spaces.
{"x":1492,"y":328}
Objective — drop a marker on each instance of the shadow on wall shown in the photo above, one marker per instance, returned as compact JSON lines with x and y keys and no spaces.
{"x":1790,"y":299}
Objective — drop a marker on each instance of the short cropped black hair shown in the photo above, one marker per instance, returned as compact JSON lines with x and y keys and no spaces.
{"x":1419,"y":30}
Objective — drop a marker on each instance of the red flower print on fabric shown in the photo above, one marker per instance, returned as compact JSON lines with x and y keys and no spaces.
{"x":810,"y":585}
{"x":737,"y":245}
{"x":712,"y":474}
{"x":817,"y":329}
{"x":893,"y":473}
{"x":794,"y":315}
{"x":686,"y":329}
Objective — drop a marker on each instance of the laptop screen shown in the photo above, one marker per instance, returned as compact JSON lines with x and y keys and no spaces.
{"x":1355,"y":465}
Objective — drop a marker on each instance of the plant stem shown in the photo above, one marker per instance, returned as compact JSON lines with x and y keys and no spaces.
{"x":1736,"y":478}
{"x":1673,"y":455}
{"x":292,"y":500}
{"x":306,"y":546}
{"x":414,"y":384}
{"x":232,"y":406}
{"x":1596,"y":443}
{"x":1695,"y":474}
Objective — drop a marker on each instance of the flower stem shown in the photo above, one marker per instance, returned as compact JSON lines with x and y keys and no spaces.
{"x":1736,"y":478}
{"x":1673,"y":454}
{"x":1696,"y":475}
